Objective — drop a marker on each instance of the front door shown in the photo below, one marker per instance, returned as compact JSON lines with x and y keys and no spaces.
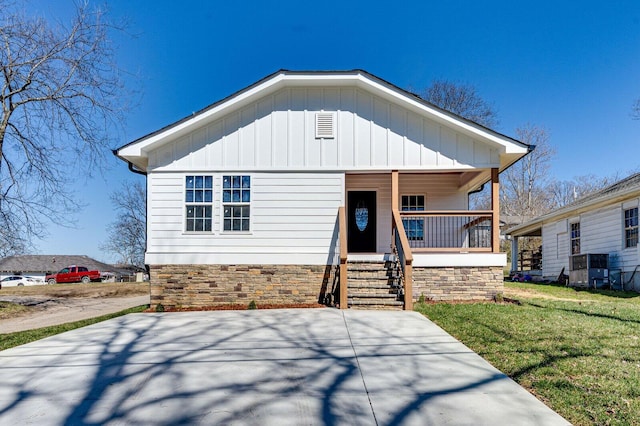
{"x":361,"y":236}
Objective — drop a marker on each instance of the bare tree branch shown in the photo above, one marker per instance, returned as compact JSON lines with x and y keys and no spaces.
{"x":461,"y":99}
{"x":127,"y":235}
{"x":61,"y":100}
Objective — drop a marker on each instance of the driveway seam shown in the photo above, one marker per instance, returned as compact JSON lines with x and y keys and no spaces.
{"x":355,"y":356}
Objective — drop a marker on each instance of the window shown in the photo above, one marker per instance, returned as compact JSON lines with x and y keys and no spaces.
{"x":198,"y":203}
{"x":575,"y":238}
{"x":631,"y":227}
{"x":236,"y":202}
{"x":414,"y":227}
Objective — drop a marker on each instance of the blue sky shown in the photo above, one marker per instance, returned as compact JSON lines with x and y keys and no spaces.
{"x":572,"y":67}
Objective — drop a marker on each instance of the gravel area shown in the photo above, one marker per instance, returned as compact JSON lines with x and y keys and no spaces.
{"x":59,"y":310}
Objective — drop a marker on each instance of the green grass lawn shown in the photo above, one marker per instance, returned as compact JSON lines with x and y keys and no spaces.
{"x":10,"y":340}
{"x":578,"y":351}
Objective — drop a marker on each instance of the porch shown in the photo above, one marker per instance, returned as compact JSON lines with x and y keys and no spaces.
{"x":409,"y":238}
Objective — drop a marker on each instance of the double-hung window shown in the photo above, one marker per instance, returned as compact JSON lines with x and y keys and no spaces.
{"x":198,"y":203}
{"x":575,"y":238}
{"x":236,"y":202}
{"x":631,"y":227}
{"x":413,"y":226}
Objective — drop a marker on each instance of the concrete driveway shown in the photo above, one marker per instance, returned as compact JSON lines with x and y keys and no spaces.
{"x":262,"y":367}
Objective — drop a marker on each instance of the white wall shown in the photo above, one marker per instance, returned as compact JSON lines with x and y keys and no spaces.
{"x":601,"y":231}
{"x":293,"y":221}
{"x":278,"y":133}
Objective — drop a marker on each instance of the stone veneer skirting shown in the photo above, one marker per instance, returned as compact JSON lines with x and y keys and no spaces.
{"x":449,"y":284}
{"x":200,"y":286}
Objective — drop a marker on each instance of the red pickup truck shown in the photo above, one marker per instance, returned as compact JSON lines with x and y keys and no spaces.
{"x":73,"y":274}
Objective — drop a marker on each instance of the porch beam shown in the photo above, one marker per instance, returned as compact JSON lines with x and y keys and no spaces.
{"x":495,"y":207}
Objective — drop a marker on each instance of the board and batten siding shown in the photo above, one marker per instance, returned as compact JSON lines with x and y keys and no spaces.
{"x":601,"y":232}
{"x":293,"y":221}
{"x":278,"y":133}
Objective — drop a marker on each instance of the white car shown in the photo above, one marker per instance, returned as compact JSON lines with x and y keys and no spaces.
{"x":19,"y":281}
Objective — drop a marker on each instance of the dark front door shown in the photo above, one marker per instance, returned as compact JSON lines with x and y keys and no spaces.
{"x":361,"y":237}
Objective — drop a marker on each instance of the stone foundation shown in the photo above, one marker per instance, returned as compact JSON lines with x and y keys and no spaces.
{"x":457,"y":284}
{"x":200,"y":286}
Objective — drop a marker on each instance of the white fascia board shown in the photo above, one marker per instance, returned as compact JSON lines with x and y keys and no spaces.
{"x":460,"y":260}
{"x":507,"y":144}
{"x":142,"y":147}
{"x":309,"y":80}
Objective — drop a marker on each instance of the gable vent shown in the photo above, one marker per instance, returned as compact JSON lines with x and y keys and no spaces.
{"x":325,"y":127}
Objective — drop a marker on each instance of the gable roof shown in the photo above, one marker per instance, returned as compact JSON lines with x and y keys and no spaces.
{"x":135,"y":151}
{"x":51,"y":263}
{"x":623,"y":189}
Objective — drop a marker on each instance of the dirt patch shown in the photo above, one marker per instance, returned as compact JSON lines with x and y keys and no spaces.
{"x":92,"y":290}
{"x":26,"y":308}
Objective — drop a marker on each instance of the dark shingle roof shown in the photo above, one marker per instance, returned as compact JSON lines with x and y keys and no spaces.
{"x":50,"y":263}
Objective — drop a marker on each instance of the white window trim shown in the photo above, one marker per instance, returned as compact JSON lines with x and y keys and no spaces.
{"x":222,"y":204}
{"x":424,"y":195}
{"x":624,"y":229}
{"x":185,"y":203}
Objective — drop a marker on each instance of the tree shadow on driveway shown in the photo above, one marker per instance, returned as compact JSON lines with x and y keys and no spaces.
{"x":314,"y":366}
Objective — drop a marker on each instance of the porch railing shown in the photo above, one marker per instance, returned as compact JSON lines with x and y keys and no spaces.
{"x":401,"y":247}
{"x":460,"y":231}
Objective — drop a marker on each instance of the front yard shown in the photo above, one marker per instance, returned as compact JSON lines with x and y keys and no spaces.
{"x":578,"y":351}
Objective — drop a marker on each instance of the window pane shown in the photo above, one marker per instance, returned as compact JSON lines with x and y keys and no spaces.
{"x":199,"y":225}
{"x":199,"y":181}
{"x":236,"y":211}
{"x":198,"y":195}
{"x":236,"y":181}
{"x":189,"y":196}
{"x":236,"y":196}
{"x":208,"y":182}
{"x":246,"y":196}
{"x":226,"y":181}
{"x":190,"y":211}
{"x":246,"y":182}
{"x":226,"y":196}
{"x":227,"y":211}
{"x":207,"y":225}
{"x":227,"y":224}
{"x":208,"y":196}
{"x":189,"y":183}
{"x":245,"y":211}
{"x":189,"y":224}
{"x":207,"y":212}
{"x":236,"y":224}
{"x":245,"y":224}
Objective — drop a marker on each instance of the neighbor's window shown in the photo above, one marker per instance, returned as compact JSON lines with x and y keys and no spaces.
{"x":631,"y":227}
{"x":236,"y":202}
{"x":575,"y":238}
{"x":198,"y":203}
{"x":414,"y":227}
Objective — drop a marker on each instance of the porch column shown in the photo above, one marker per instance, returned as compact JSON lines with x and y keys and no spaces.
{"x":514,"y":254}
{"x":394,"y":190}
{"x":495,"y":207}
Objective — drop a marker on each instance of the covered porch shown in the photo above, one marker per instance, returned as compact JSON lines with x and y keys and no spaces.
{"x":421,"y":222}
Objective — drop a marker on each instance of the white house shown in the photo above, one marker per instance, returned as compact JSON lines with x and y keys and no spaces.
{"x":605,"y":222}
{"x":269,"y":193}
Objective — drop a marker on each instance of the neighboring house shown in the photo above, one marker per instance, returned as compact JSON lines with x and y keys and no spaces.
{"x":40,"y":265}
{"x":605,"y":222}
{"x":273,"y":193}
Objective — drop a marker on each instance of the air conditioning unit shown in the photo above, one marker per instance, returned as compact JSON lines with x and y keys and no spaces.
{"x":589,"y":270}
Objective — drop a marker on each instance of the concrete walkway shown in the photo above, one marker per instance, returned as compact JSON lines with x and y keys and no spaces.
{"x":263,"y":367}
